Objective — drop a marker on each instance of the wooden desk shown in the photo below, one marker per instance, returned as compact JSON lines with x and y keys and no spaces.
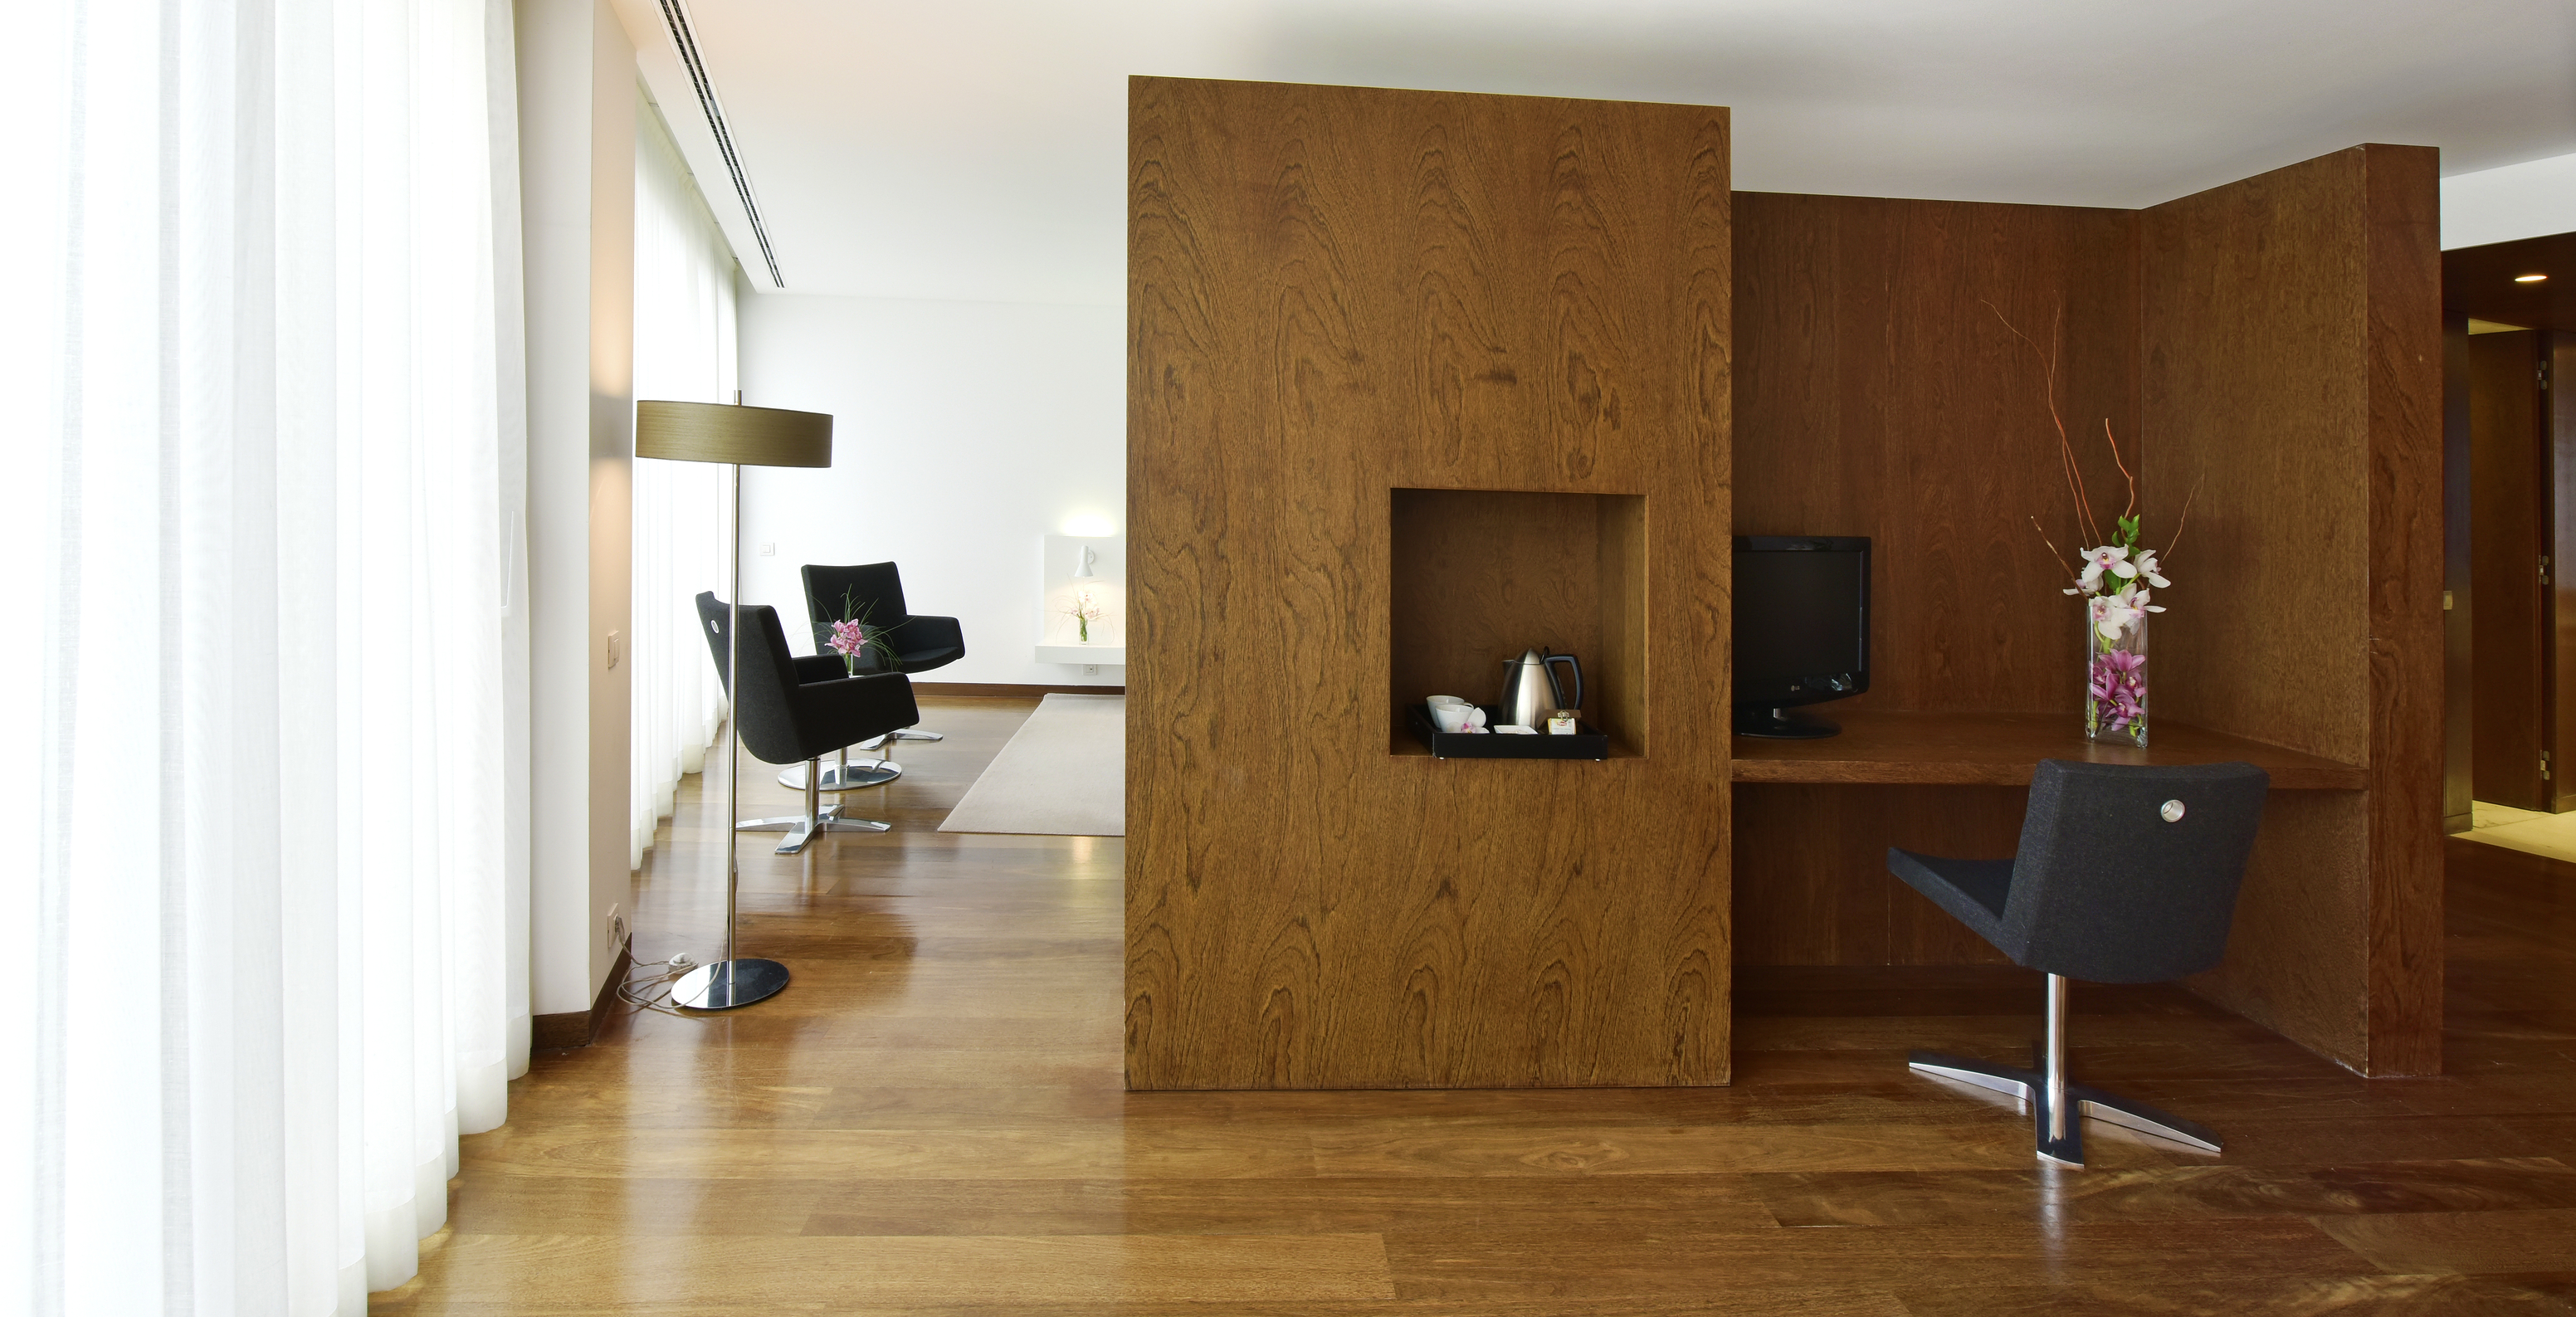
{"x":2002,"y":749}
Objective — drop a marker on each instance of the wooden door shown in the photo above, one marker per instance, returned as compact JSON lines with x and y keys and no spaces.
{"x":2509,"y":568}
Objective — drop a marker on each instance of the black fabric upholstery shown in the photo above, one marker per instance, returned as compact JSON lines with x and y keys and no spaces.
{"x":2103,"y":888}
{"x":793,"y":708}
{"x":920,"y":643}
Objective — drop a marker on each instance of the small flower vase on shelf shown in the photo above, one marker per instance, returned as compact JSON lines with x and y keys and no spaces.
{"x":2115,"y":679}
{"x":1085,"y":624}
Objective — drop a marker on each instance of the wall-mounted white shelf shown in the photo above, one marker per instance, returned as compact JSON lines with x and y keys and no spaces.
{"x":1105,"y":655}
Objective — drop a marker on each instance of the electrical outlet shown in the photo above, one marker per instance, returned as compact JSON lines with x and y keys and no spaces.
{"x":612,"y":650}
{"x":616,"y":929}
{"x":1091,"y":669}
{"x":769,"y":548}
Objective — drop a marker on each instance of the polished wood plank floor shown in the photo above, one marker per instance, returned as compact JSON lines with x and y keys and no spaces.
{"x":932,"y":1119}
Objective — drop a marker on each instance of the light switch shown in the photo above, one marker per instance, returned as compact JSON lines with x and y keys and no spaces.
{"x":612,"y":649}
{"x":769,"y":548}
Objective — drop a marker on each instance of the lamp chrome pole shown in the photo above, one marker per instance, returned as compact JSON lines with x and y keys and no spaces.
{"x":762,"y":436}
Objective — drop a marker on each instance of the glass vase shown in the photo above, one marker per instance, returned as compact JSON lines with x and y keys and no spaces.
{"x":2115,"y":675}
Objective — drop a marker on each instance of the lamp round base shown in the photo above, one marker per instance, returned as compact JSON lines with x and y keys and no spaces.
{"x":729,"y":983}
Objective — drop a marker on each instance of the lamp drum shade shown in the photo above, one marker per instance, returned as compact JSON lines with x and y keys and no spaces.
{"x":723,"y":432}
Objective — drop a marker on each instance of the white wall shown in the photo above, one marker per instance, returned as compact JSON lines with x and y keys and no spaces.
{"x":962,"y":433}
{"x":2530,"y":200}
{"x":577,"y":191}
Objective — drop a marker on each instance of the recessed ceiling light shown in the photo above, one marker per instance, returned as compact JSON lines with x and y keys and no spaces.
{"x":2529,"y":278}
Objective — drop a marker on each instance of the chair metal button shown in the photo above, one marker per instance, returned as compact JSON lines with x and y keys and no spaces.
{"x":2171,"y":810}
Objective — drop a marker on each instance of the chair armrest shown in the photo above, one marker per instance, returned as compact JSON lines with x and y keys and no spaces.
{"x":812,"y":668}
{"x":920,"y":632}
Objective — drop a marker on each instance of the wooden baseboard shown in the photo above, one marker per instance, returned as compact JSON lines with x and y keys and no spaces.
{"x":576,"y":1028}
{"x":955,"y":690}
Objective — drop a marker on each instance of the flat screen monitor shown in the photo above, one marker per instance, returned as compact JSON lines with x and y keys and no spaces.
{"x":1801,"y":629}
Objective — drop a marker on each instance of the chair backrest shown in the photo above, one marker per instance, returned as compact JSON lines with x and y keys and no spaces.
{"x":765,"y":700}
{"x":2128,"y":874}
{"x":875,"y":589}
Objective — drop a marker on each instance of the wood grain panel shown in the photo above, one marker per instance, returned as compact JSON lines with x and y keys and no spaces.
{"x":1880,"y":393}
{"x":2558,"y":422}
{"x":2256,"y":306}
{"x":2404,"y":458}
{"x":2292,"y":340}
{"x":2458,"y":599}
{"x":1811,"y":879}
{"x":1336,"y":293}
{"x":2507,"y":501}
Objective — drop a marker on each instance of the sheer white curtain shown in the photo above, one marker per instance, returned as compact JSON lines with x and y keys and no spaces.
{"x":262,"y":304}
{"x":684,"y":352}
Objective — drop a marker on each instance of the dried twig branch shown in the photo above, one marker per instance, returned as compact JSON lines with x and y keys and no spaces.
{"x":2065,"y":448}
{"x":2056,"y":553}
{"x":2166,"y":558}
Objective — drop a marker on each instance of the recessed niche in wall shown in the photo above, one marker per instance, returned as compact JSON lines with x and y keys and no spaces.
{"x":1480,"y":575}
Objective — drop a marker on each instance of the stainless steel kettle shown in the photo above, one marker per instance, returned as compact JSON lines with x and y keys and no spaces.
{"x":1530,"y":691}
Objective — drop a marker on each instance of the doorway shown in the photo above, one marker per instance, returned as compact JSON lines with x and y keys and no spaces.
{"x":2510,"y":464}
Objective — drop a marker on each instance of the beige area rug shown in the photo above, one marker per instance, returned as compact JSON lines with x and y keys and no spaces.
{"x":1064,"y":774}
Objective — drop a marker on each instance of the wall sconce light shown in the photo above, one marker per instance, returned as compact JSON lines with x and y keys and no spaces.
{"x":1083,"y":558}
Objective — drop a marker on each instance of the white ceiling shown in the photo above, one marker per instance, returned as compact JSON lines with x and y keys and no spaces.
{"x":976,"y":149}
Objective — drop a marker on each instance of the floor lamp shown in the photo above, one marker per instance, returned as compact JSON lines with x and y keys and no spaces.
{"x":737,"y":436}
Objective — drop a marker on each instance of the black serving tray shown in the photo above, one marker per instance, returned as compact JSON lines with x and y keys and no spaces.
{"x":1587,"y":743}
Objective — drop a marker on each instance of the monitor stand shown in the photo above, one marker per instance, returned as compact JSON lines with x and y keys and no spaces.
{"x":1781,"y":725}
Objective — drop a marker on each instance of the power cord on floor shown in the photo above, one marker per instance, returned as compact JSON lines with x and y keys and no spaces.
{"x":652,"y":990}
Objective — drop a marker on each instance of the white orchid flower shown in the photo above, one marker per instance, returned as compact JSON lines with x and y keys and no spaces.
{"x":2140,"y":598}
{"x":2109,"y":558}
{"x":2147,"y":567}
{"x":2112,"y":614}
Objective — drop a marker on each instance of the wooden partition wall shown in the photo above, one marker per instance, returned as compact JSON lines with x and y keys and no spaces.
{"x":1470,"y":352}
{"x":1419,"y":379}
{"x":2293,"y":342}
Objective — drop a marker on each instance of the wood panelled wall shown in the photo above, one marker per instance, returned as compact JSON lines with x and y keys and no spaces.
{"x":1881,"y":390}
{"x":1880,"y":393}
{"x":1335,"y":293}
{"x":2293,"y":342}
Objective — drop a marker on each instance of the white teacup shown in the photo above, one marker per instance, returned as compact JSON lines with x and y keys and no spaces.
{"x":1457,"y":717}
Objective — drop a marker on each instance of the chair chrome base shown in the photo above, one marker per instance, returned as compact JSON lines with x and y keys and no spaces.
{"x":802,"y":831}
{"x":2057,"y":1105}
{"x":908,"y":734}
{"x":846,"y":776}
{"x":729,"y":983}
{"x":817,"y":818}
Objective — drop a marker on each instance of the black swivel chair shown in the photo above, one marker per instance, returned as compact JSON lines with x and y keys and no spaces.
{"x":920,"y":643}
{"x":794,"y":708}
{"x":2124,"y":875}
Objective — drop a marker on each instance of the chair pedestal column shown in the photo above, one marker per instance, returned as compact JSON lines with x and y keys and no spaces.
{"x":818,"y":817}
{"x":2058,"y":1104}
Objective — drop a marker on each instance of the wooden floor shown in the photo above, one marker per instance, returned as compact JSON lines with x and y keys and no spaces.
{"x":932,"y":1120}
